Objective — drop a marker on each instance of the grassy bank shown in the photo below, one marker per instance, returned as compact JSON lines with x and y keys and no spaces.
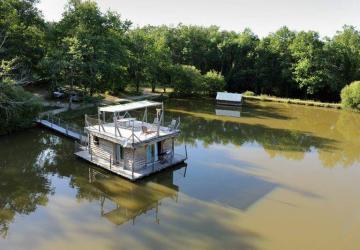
{"x":293,"y":101}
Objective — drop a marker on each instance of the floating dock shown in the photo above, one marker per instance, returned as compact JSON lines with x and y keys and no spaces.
{"x":61,"y":127}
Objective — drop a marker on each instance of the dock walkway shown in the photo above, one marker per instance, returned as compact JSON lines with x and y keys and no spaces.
{"x":65,"y":129}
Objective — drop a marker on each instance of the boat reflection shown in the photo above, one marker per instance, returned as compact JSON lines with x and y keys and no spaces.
{"x":228,"y":111}
{"x":122,"y":201}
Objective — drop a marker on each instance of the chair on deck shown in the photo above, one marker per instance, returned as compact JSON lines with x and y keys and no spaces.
{"x":172,"y":125}
{"x":146,"y":130}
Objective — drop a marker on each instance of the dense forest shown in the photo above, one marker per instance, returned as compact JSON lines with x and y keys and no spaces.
{"x":99,"y":52}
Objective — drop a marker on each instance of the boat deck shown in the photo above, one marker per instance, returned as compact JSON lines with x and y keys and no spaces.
{"x":126,"y":132}
{"x":138,"y":174}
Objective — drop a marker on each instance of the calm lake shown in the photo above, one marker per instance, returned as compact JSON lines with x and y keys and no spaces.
{"x":277,"y":177}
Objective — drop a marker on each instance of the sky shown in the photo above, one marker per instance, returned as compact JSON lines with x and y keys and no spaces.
{"x":261,"y":16}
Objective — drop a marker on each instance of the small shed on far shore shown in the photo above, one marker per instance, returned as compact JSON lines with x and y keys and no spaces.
{"x":232,"y":99}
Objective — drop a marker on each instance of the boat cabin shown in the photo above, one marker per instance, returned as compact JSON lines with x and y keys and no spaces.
{"x":132,"y":147}
{"x":229,"y":99}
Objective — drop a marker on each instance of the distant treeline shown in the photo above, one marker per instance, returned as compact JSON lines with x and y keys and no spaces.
{"x":102,"y":52}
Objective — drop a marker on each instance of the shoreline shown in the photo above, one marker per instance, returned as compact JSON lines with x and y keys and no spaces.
{"x":294,"y":101}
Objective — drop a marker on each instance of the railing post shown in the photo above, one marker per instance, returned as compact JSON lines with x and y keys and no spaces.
{"x":133,"y":132}
{"x":110,"y":162}
{"x":133,"y":164}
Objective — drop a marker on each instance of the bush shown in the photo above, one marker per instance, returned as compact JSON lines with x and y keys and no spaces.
{"x":248,"y":93}
{"x":213,"y":82}
{"x":18,"y":108}
{"x":186,"y":80}
{"x":350,"y":96}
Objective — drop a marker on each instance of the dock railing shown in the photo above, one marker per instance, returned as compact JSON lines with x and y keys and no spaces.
{"x":55,"y":120}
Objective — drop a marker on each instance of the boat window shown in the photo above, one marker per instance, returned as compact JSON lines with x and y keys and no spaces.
{"x":96,"y":140}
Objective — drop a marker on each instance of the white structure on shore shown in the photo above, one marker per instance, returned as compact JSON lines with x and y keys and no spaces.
{"x":129,"y":147}
{"x":225,"y":98}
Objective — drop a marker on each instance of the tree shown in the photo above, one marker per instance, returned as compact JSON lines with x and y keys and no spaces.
{"x":213,"y":82}
{"x":186,"y":80}
{"x":22,"y":32}
{"x":343,"y":58}
{"x":18,"y":108}
{"x":274,"y":63}
{"x":350,"y":95}
{"x":308,"y":69}
{"x":238,"y":54}
{"x":95,"y":42}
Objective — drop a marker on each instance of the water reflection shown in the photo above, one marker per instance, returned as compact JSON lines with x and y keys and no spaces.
{"x":122,"y":201}
{"x":250,"y":179}
{"x":23,"y":180}
{"x":283,"y":130}
{"x":228,"y":111}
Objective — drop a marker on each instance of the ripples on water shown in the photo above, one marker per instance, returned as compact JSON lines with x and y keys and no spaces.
{"x":264,"y":176}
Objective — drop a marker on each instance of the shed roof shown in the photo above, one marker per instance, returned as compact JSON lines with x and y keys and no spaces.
{"x":231,"y":97}
{"x":129,"y":106}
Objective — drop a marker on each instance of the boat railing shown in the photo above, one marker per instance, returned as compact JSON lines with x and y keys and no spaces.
{"x":97,"y":154}
{"x":131,"y":124}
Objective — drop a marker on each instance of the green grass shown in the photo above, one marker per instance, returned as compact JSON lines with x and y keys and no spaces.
{"x":293,"y":101}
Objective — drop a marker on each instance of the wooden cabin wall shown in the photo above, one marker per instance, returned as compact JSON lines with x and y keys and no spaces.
{"x":101,"y":148}
{"x":107,"y":146}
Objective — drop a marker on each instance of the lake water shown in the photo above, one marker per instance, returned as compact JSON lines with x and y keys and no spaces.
{"x":277,"y":177}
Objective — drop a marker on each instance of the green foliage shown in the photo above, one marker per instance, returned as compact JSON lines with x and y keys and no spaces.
{"x":248,"y":93}
{"x":18,"y":108}
{"x":350,"y":96}
{"x":22,"y":32}
{"x":98,"y":51}
{"x":186,"y":80}
{"x":213,"y":82}
{"x":88,"y":48}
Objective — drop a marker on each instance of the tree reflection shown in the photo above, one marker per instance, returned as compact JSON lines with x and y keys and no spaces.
{"x":24,"y":182}
{"x":282,"y":130}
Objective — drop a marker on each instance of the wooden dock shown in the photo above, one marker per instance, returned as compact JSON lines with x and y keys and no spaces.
{"x":62,"y":129}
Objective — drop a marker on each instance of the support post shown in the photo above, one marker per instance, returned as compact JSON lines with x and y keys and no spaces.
{"x":99,"y":120}
{"x":173,"y":147}
{"x":115,"y":124}
{"x":153,"y":163}
{"x":110,"y":162}
{"x":133,"y":164}
{"x":186,"y":155}
{"x":133,"y":139}
{"x":162,"y":114}
{"x":146,"y":114}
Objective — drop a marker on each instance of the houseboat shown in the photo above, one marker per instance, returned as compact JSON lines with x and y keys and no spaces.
{"x":128,"y":146}
{"x":229,"y":99}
